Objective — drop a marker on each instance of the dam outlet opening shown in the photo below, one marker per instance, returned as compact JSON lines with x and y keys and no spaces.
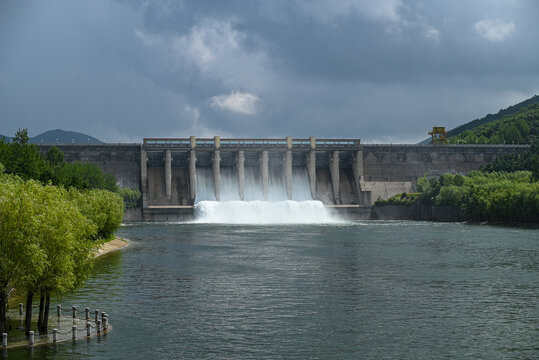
{"x":257,"y":207}
{"x":260,"y":181}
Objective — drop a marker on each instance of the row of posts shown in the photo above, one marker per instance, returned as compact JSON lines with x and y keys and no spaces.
{"x":334,"y":167}
{"x":102,"y":325}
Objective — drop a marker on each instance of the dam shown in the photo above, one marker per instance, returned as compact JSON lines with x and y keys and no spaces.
{"x":343,"y":174}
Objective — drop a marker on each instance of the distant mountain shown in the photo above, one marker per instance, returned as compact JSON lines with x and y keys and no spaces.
{"x":7,"y":138}
{"x":64,"y":137}
{"x":490,"y":118}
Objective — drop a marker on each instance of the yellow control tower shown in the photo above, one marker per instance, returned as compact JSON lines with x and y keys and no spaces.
{"x":439,"y":135}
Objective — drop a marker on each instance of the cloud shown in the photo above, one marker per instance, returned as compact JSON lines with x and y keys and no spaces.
{"x":211,"y":67}
{"x":432,"y":33}
{"x":380,"y":10}
{"x":215,"y":50}
{"x":494,"y":29}
{"x":244,"y":103}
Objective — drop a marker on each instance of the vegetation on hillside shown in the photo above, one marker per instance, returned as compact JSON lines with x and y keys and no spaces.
{"x":521,"y":127}
{"x":493,"y":117}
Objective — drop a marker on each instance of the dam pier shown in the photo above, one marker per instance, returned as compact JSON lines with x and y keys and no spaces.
{"x":173,"y":174}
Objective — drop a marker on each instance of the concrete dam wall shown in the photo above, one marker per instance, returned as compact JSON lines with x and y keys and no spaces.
{"x":173,"y":174}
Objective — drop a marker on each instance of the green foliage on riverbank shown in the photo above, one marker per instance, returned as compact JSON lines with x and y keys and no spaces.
{"x":521,"y":127}
{"x":403,"y":199}
{"x":51,"y":215}
{"x":47,"y":237}
{"x":495,"y":196}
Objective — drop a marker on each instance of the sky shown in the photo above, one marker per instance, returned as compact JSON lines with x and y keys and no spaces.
{"x":384,"y":71}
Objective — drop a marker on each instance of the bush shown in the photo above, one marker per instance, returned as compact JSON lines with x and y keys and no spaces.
{"x":495,"y":196}
{"x":403,"y":199}
{"x":103,"y":208}
{"x":131,"y":197}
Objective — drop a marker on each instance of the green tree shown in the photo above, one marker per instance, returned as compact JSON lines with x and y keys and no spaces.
{"x":21,"y":137}
{"x":84,"y":176}
{"x":63,"y":232}
{"x":21,"y":158}
{"x":102,"y":208}
{"x":55,"y":157}
{"x":21,"y":258}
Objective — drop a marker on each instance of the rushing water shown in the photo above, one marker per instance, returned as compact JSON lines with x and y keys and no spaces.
{"x":362,"y":290}
{"x":255,"y":210}
{"x":229,"y":185}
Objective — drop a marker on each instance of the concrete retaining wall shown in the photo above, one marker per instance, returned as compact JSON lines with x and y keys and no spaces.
{"x":132,"y":215}
{"x":417,"y":212}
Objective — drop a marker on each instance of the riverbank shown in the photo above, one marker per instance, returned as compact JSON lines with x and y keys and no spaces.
{"x":111,"y":246}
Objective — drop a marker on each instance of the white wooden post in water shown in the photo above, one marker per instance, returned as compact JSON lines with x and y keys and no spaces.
{"x":54,"y":335}
{"x":31,"y":338}
{"x":59,"y":310}
{"x":74,"y":330}
{"x":88,"y":329}
{"x":98,"y":326}
{"x":105,"y":322}
{"x":4,"y":340}
{"x":87,"y":310}
{"x":96,"y":315}
{"x":103,"y":314}
{"x":74,"y":311}
{"x":20,"y":308}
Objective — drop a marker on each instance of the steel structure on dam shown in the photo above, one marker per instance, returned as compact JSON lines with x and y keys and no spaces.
{"x":169,"y":167}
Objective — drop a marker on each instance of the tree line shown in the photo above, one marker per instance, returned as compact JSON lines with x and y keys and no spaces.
{"x":25,"y":160}
{"x":48,"y":232}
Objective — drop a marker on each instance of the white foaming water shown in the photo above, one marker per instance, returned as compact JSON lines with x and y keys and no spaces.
{"x":254,"y":210}
{"x":262,"y":212}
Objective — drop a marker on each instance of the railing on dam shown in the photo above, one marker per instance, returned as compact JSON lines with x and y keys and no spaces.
{"x":235,"y":143}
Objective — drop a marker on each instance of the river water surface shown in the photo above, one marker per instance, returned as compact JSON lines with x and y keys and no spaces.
{"x":358,"y":290}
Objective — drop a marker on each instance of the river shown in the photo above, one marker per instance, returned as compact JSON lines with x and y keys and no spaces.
{"x":352,"y":290}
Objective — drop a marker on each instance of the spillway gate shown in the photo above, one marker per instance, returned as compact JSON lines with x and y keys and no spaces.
{"x":169,"y":168}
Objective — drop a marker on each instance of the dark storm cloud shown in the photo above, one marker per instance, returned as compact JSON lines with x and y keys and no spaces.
{"x":382,"y":70}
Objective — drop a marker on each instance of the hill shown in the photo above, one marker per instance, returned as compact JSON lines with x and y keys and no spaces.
{"x":490,"y":117}
{"x":7,"y":138}
{"x":64,"y":137}
{"x":521,"y":127}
